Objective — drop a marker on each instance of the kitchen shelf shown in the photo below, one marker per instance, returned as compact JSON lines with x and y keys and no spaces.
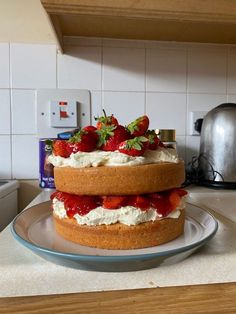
{"x":209,"y":21}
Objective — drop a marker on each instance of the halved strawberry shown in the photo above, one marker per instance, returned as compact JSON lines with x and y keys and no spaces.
{"x":60,"y":148}
{"x":111,"y":136}
{"x":161,"y":203}
{"x":142,"y":202}
{"x":86,"y":204}
{"x":105,"y":120}
{"x":139,"y":126}
{"x":60,"y":196}
{"x":81,"y":205}
{"x":163,"y":206}
{"x":71,"y":212}
{"x":114,"y":202}
{"x":83,"y":141}
{"x":134,"y":147}
{"x":153,"y":140}
{"x":174,"y":199}
{"x":181,"y":192}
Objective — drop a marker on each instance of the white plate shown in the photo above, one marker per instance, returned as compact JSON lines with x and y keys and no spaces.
{"x":34,"y":229}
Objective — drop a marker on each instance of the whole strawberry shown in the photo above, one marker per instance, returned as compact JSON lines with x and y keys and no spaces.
{"x":111,"y":136}
{"x":93,"y":130}
{"x":134,"y":147}
{"x":83,"y":141}
{"x":153,"y":140}
{"x":59,"y":148}
{"x":105,"y":121}
{"x":139,"y":126}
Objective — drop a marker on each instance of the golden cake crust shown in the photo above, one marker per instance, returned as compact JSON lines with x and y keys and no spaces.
{"x":122,"y":180}
{"x":120,"y":236}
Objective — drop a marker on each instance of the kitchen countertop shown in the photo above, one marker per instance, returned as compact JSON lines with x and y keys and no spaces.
{"x":25,"y":274}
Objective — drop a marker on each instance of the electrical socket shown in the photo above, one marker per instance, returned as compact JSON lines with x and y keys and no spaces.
{"x":44,"y":98}
{"x":194,"y":116}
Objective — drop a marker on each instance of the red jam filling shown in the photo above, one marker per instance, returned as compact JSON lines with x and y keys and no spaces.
{"x":164,"y":202}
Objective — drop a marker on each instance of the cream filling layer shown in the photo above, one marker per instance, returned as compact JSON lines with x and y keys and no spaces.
{"x":102,"y":158}
{"x":127,"y":215}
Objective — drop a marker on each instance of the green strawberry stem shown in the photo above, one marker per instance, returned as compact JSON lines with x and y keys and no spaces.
{"x":136,"y":143}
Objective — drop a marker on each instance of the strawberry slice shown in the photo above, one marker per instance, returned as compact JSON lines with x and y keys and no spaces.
{"x":139,"y":126}
{"x":84,"y":141}
{"x":134,"y":147}
{"x":142,"y":202}
{"x":82,"y":205}
{"x":60,"y":196}
{"x":174,"y":199}
{"x":111,"y":136}
{"x":181,"y":192}
{"x":114,"y":202}
{"x":163,"y":206}
{"x":105,"y":120}
{"x":60,"y":148}
{"x":161,"y":203}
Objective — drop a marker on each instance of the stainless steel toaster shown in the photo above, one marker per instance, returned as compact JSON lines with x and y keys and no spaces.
{"x":217,"y":159}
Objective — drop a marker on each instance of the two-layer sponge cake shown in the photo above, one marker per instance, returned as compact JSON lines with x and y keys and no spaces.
{"x":117,"y":187}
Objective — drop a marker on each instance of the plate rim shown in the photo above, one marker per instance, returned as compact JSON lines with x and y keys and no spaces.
{"x":106,"y":258}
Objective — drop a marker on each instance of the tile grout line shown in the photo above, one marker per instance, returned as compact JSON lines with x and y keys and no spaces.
{"x":227,"y":73}
{"x":102,"y":83}
{"x":186,"y":105}
{"x":10,"y":99}
{"x":145,"y":80}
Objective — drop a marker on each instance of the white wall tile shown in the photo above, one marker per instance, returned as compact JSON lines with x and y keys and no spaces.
{"x":123,"y":43}
{"x":4,"y":66}
{"x":23,"y":112}
{"x":166,"y":70}
{"x":5,"y":116}
{"x":118,"y":73}
{"x":123,"y":69}
{"x":231,"y":98}
{"x":5,"y":159}
{"x":202,"y":102}
{"x":231,"y":84}
{"x":181,"y":146}
{"x":96,"y":105}
{"x":207,"y":68}
{"x":167,"y":111}
{"x":25,"y":157}
{"x":192,"y":147}
{"x":125,"y":106}
{"x":33,"y":66}
{"x":80,"y":67}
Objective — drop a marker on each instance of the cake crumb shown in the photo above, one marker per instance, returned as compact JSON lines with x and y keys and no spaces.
{"x":151,"y":283}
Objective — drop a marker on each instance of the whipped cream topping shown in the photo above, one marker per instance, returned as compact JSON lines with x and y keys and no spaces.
{"x":102,"y":158}
{"x":127,"y":215}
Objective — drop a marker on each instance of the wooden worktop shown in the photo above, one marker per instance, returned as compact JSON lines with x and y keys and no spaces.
{"x":214,"y":298}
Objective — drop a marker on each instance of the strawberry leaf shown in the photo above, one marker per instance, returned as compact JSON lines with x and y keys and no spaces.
{"x":136,"y":143}
{"x":105,"y":133}
{"x":78,"y":136}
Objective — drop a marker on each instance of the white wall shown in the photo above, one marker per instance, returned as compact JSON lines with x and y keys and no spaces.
{"x":24,"y":21}
{"x":127,"y":78}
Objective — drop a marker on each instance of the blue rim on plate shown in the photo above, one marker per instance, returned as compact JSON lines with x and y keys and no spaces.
{"x":129,"y":260}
